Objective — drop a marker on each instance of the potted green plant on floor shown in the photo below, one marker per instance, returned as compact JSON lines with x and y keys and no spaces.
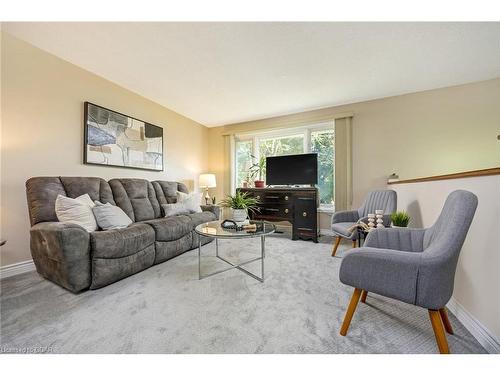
{"x":400,"y":219}
{"x":240,"y":203}
{"x":258,"y":170}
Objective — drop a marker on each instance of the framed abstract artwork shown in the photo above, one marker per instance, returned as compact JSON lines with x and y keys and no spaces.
{"x":114,"y":139}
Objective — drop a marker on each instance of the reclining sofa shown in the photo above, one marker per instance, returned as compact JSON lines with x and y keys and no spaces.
{"x":75,"y":259}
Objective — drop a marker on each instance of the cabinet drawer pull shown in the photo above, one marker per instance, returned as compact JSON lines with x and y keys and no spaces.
{"x":272,"y":209}
{"x":286,"y":197}
{"x":307,"y":229}
{"x":272,"y":196}
{"x":286,"y":210}
{"x":257,"y":197}
{"x":305,"y":199}
{"x":304,"y":214}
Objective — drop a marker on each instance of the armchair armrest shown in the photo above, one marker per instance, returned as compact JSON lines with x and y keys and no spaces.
{"x":212,"y":208}
{"x":404,"y":239}
{"x":61,"y":253}
{"x":345,"y":217}
{"x":383,"y":271}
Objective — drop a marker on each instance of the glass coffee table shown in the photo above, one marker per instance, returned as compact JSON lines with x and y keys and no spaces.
{"x":214,"y":230}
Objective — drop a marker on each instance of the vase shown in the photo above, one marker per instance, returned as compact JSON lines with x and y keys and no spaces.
{"x":371,"y":221}
{"x":379,"y":214}
{"x":258,"y":183}
{"x":239,"y":214}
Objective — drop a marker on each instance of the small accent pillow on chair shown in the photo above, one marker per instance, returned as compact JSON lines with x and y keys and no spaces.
{"x":191,"y":201}
{"x":110,"y":217}
{"x":76,"y":211}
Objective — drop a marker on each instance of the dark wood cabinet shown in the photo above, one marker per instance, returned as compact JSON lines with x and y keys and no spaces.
{"x":299,"y":206}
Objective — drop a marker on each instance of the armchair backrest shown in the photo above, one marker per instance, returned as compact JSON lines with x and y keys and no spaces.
{"x":379,"y":200}
{"x":442,"y":244}
{"x":449,"y":231}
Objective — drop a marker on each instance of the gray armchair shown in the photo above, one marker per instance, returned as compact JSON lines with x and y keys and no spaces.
{"x":415,"y":266}
{"x":376,"y":200}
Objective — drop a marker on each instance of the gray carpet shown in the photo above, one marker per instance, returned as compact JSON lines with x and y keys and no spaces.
{"x":166,"y":309}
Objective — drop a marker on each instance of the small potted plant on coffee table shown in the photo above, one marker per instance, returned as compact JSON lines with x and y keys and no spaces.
{"x":240,"y":203}
{"x":400,"y":219}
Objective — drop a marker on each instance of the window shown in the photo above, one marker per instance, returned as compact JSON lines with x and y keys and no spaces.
{"x":322,"y":144}
{"x":244,"y":150}
{"x":286,"y":145}
{"x":318,"y":138}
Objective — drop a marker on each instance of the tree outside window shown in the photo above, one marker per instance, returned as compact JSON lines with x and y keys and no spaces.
{"x":322,"y":142}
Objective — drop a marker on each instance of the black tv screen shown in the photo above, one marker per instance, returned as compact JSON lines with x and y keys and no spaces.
{"x":301,"y":169}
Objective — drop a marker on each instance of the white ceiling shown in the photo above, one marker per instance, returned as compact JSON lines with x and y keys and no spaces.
{"x":221,"y":73}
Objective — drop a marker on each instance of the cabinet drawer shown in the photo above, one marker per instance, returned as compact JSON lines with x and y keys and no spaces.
{"x":272,"y":197}
{"x":281,"y":211}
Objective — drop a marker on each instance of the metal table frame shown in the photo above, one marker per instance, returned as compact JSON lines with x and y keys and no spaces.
{"x":238,"y":266}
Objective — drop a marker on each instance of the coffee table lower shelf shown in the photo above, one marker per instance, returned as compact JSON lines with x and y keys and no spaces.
{"x":233,"y":266}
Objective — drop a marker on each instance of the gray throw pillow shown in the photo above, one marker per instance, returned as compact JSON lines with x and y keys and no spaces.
{"x":110,"y":217}
{"x":174,"y":209}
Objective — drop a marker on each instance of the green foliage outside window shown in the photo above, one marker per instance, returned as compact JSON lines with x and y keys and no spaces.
{"x":322,"y":143}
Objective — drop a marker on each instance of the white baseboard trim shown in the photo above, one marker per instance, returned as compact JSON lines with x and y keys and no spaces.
{"x":16,"y":269}
{"x":487,"y":339}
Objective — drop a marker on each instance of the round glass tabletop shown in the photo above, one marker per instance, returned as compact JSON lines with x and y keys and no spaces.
{"x":214,"y":229}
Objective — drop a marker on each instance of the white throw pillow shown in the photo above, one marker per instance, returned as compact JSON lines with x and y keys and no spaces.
{"x":76,"y":211}
{"x":173,"y":209}
{"x":110,"y":217}
{"x":191,"y":201}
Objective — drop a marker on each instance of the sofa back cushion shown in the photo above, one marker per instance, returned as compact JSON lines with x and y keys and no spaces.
{"x":166,"y":191}
{"x":136,"y":197}
{"x":42,"y":193}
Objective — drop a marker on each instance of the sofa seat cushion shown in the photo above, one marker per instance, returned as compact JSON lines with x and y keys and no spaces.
{"x":201,"y":217}
{"x":118,"y":243}
{"x":342,"y":229}
{"x":170,"y":228}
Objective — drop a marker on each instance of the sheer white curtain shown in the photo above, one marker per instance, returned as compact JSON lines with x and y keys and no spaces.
{"x":343,"y":163}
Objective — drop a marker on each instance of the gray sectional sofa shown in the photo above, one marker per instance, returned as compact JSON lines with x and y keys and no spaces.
{"x":77,"y":260}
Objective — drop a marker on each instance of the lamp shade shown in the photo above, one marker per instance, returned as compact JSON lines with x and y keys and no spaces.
{"x":207,"y":180}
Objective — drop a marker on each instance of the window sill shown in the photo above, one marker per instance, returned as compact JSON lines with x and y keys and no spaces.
{"x":326,"y":209}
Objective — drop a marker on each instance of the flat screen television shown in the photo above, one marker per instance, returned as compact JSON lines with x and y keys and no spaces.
{"x":301,"y":169}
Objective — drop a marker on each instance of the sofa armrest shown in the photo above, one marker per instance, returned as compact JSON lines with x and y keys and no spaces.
{"x":345,"y":217}
{"x":213,"y":209}
{"x":61,"y":253}
{"x":404,"y":239}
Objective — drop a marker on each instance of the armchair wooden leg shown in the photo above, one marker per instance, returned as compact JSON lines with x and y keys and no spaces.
{"x":350,"y":311}
{"x":446,"y":320}
{"x":353,"y":244}
{"x":364,"y":294}
{"x":437,"y":326}
{"x":335,"y":246}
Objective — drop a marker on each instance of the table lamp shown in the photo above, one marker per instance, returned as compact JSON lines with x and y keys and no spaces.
{"x":207,"y":180}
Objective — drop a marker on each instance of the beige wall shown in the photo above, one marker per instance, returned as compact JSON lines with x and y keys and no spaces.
{"x":42,"y":132}
{"x":415,"y":135}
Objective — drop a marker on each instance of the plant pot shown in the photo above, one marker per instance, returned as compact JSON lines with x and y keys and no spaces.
{"x":259,"y":183}
{"x":396,"y":226}
{"x":239,"y":214}
{"x":245,"y":184}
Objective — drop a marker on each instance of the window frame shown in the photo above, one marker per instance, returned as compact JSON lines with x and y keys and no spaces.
{"x":257,"y":136}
